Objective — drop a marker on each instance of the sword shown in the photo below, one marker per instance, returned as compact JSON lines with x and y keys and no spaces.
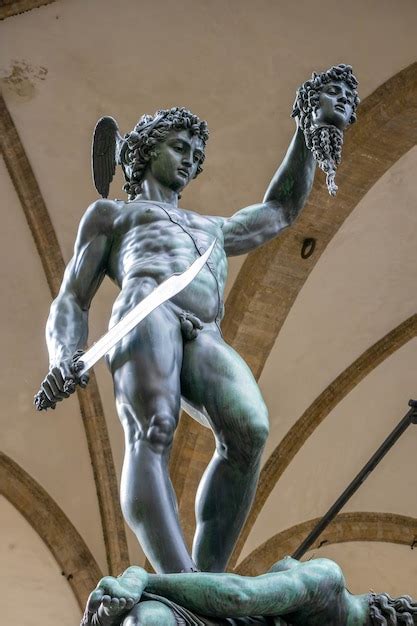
{"x":165,"y":291}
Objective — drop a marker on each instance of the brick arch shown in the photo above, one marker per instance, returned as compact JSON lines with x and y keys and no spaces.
{"x":317,"y":412}
{"x":53,"y":527}
{"x":91,"y":408}
{"x":346,"y":527}
{"x":9,"y":8}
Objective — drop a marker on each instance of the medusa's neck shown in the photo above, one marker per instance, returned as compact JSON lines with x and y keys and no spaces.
{"x":358,"y":610}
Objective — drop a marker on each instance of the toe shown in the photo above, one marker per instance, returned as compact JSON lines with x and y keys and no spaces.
{"x":106,"y":601}
{"x":94,"y":600}
{"x":114,"y":606}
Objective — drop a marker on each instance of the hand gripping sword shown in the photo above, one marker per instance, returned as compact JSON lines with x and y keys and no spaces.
{"x":165,"y":291}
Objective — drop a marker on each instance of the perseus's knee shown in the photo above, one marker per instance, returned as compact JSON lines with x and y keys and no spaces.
{"x":160,"y":430}
{"x":246,"y":441}
{"x":255,"y":429}
{"x":257,"y":435}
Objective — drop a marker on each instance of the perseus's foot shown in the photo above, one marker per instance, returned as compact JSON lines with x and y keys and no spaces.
{"x":113,"y":598}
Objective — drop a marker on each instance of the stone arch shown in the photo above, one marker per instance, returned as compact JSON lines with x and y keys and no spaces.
{"x":358,"y":526}
{"x":317,"y":412}
{"x":47,"y":245}
{"x":52,"y":525}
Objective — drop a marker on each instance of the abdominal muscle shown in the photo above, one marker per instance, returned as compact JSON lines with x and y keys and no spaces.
{"x":151,"y":247}
{"x":200,"y":297}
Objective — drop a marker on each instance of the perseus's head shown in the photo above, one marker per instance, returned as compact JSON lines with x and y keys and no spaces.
{"x":325,"y":106}
{"x":387,"y":611}
{"x":155,"y":141}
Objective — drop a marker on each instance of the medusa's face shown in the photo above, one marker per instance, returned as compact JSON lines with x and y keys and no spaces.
{"x":176,"y":159}
{"x":335,"y":107}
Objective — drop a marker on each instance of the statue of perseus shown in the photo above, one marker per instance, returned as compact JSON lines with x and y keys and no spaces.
{"x":178,"y":350}
{"x":313,"y":593}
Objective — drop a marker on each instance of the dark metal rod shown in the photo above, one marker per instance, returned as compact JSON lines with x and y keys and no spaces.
{"x":409,"y":418}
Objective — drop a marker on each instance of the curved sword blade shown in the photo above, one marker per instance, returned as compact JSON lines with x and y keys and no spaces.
{"x":165,"y":291}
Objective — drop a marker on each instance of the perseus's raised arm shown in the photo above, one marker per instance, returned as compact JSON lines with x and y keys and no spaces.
{"x":284,"y":198}
{"x":67,"y":325}
{"x":324,"y":107}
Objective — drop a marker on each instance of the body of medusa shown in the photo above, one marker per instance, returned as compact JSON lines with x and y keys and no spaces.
{"x":140,"y":144}
{"x":292,"y":593}
{"x":325,"y":105}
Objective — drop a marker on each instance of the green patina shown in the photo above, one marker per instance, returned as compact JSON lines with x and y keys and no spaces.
{"x":290,"y":594}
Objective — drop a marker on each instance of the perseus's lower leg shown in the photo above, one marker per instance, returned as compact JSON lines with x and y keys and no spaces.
{"x":224,"y":498}
{"x":149,"y":503}
{"x":216,"y":377}
{"x":146,"y":375}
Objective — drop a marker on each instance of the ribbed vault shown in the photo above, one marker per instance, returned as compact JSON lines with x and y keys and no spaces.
{"x":272,"y":276}
{"x":360,"y":526}
{"x":91,"y":408}
{"x":53,"y":527}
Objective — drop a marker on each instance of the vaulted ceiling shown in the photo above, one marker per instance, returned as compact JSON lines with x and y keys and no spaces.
{"x":331,"y":338}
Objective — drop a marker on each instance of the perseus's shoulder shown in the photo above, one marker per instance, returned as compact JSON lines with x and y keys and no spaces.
{"x":217,"y":223}
{"x":99,"y":218}
{"x":217,"y":220}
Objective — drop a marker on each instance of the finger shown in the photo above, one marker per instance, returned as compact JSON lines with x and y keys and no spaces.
{"x":78,"y":366}
{"x":42,"y":403}
{"x":69,"y":385}
{"x":58,"y":378}
{"x":46,"y":388}
{"x":58,"y":394}
{"x":84,"y":380}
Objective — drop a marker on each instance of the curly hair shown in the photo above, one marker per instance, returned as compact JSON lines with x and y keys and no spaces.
{"x":325,"y":142}
{"x":139,"y":145}
{"x":387,"y":611}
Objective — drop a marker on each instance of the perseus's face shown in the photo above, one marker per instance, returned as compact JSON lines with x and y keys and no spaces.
{"x":335,"y":105}
{"x":176,"y":159}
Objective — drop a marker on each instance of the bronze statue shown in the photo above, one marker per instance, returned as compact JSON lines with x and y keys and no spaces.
{"x":178,"y":350}
{"x":291,"y":594}
{"x":323,"y":121}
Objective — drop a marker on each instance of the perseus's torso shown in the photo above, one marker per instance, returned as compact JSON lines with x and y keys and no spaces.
{"x":154,"y":240}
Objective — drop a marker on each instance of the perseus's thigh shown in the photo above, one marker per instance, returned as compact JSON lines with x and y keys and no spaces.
{"x":215,"y":377}
{"x":146,"y":366}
